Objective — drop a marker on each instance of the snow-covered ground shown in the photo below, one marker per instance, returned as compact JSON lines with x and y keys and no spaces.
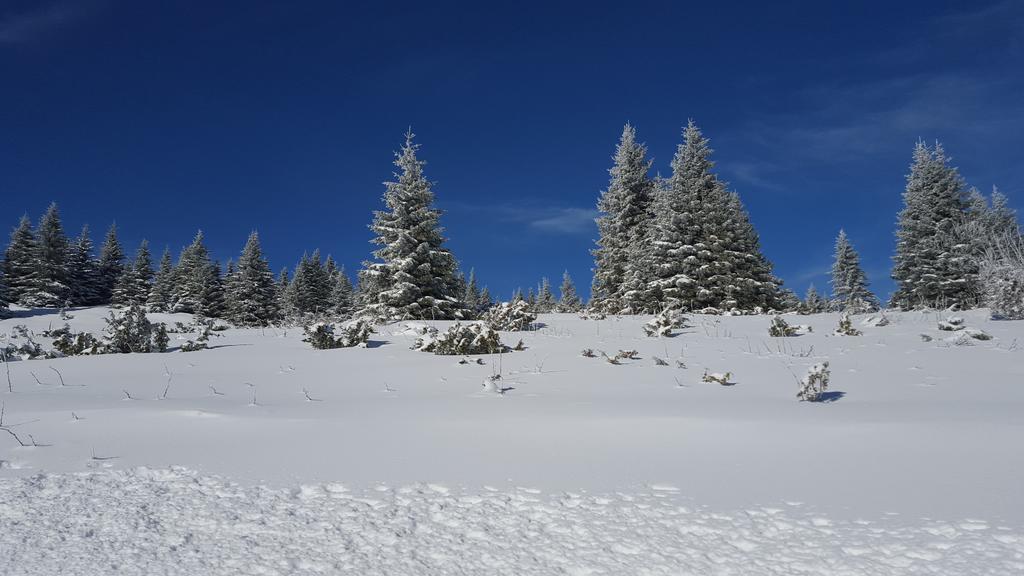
{"x":582,"y":467}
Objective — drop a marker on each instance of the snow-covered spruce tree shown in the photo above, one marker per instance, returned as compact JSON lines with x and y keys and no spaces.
{"x":133,"y":286}
{"x":282,"y":292}
{"x":849,"y":282}
{"x":622,"y":226}
{"x":485,"y":301}
{"x":50,"y":281}
{"x":690,"y":215}
{"x":545,"y":298}
{"x":111,"y":264}
{"x":253,"y":296}
{"x":569,"y":301}
{"x":471,"y":296}
{"x":342,"y":295}
{"x":4,"y":301}
{"x":196,"y":286}
{"x":789,"y":301}
{"x":751,"y":284}
{"x":931,"y":267}
{"x":414,"y":275}
{"x":19,"y":262}
{"x":159,"y":297}
{"x":813,"y":302}
{"x":83,"y":271}
{"x":310,"y":289}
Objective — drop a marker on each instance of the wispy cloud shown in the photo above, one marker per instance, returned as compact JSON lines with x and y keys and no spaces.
{"x":564,"y":220}
{"x":19,"y":28}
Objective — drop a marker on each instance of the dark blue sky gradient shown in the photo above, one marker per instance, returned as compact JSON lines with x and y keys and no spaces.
{"x":283,"y":116}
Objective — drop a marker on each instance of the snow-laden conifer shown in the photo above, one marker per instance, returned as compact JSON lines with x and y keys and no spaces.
{"x":252,"y":297}
{"x":49,"y":287}
{"x":160,"y":294}
{"x":849,"y":282}
{"x":546,"y":301}
{"x":414,"y":275}
{"x":111,"y":265}
{"x":619,"y":258}
{"x":931,"y":267}
{"x":83,"y":271}
{"x":568,"y":300}
{"x":19,"y":262}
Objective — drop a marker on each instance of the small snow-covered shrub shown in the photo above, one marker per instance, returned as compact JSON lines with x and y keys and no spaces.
{"x":846,"y":327}
{"x":710,"y":311}
{"x":462,"y":339}
{"x":952,"y":324}
{"x":664,"y":323}
{"x":717,"y":378}
{"x":510,"y":316}
{"x":160,"y":337}
{"x":76,"y":344}
{"x":814,"y":383}
{"x":627,"y":355}
{"x":29,"y":349}
{"x":781,"y":329}
{"x":876,"y":321}
{"x":588,"y":353}
{"x":202,"y":341}
{"x":327,"y":335}
{"x":129,"y":332}
{"x":977,"y":334}
{"x":1001,"y":276}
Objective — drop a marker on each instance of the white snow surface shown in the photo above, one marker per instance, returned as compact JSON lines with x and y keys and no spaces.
{"x":386,"y":460}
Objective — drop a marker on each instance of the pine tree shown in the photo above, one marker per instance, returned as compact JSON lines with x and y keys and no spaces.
{"x":196,"y":287}
{"x":111,"y":265}
{"x":50,"y":281}
{"x":485,"y":301}
{"x":751,"y":284}
{"x":569,"y":301}
{"x":930,"y":265}
{"x":517,"y":295}
{"x":343,"y":295}
{"x":813,"y":303}
{"x":545,"y":299}
{"x":19,"y":262}
{"x":414,"y":275}
{"x":159,"y":299}
{"x":83,"y":272}
{"x":849,"y":282}
{"x":4,"y":301}
{"x":619,"y":272}
{"x":471,"y":295}
{"x":133,"y":285}
{"x":282,"y":292}
{"x":253,"y":294}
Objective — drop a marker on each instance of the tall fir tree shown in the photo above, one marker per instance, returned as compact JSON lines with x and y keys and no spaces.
{"x":849,"y":282}
{"x":485,"y":301}
{"x":814,"y":303}
{"x":159,"y":299}
{"x":253,"y":295}
{"x":752,"y":284}
{"x":282,"y":292}
{"x":414,"y":275}
{"x":194,"y":289}
{"x":545,"y":298}
{"x":619,"y":271}
{"x":111,"y":265}
{"x":343,"y":295}
{"x":20,"y":263}
{"x":569,"y":301}
{"x":133,"y":286}
{"x":50,"y":286}
{"x":471,"y":295}
{"x":83,"y":271}
{"x":931,"y":267}
{"x":4,"y":298}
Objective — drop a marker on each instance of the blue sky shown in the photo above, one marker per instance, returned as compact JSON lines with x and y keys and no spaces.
{"x":228,"y":116}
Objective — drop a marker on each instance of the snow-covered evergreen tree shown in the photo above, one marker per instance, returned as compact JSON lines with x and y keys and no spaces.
{"x":750,"y":283}
{"x":545,"y":298}
{"x":931,"y":267}
{"x":485,"y":301}
{"x":211,"y":300}
{"x":83,"y":271}
{"x":111,"y":265}
{"x":569,"y":301}
{"x":159,"y":299}
{"x":471,"y":295}
{"x":814,"y":303}
{"x":311,"y":287}
{"x":50,"y":281}
{"x":849,"y":282}
{"x":253,"y":296}
{"x":196,"y":286}
{"x":414,"y":275}
{"x":282,"y":292}
{"x":620,"y":274}
{"x":19,"y":262}
{"x":133,"y":286}
{"x":343,"y":295}
{"x":4,"y":301}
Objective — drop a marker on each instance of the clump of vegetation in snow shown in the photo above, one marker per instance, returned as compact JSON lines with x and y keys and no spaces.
{"x":664,"y":323}
{"x":328,"y":335}
{"x":510,"y":316}
{"x":462,"y":339}
{"x":951,"y":324}
{"x":780,"y":328}
{"x":75,"y":344}
{"x":717,"y":378}
{"x":846,"y":327}
{"x":814,"y":383}
{"x":129,"y":332}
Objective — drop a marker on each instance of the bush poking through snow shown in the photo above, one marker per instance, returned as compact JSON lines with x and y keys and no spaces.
{"x":510,"y":316}
{"x":588,"y":353}
{"x":627,"y":355}
{"x":846,"y":327}
{"x":952,"y":324}
{"x":717,"y":378}
{"x":781,"y":329}
{"x":815,"y":383}
{"x":977,"y":334}
{"x":462,"y":339}
{"x":664,"y":323}
{"x":322,"y":335}
{"x":76,"y":344}
{"x":129,"y":332}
